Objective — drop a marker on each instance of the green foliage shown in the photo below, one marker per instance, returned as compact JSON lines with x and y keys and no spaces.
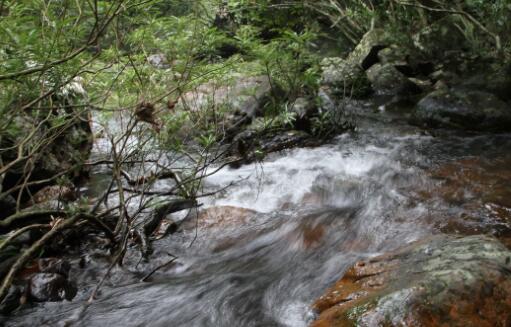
{"x":269,"y":37}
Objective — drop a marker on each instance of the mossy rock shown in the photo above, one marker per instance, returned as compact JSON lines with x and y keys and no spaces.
{"x":366,"y":52}
{"x":386,"y":79}
{"x":344,"y":79}
{"x":440,"y":281}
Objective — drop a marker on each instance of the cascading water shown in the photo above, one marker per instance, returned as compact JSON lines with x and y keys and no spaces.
{"x":289,"y":228}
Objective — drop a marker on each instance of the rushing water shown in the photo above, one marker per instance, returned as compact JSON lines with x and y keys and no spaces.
{"x":313,"y":213}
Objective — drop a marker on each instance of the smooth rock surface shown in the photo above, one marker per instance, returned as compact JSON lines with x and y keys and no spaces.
{"x":463,"y":109}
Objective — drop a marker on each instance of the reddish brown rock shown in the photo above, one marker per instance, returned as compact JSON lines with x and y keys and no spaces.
{"x":307,"y":236}
{"x":476,"y":179}
{"x":218,"y":217}
{"x":442,"y":281}
{"x":478,"y":192}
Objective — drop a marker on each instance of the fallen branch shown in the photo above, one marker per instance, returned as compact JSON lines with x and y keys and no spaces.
{"x":28,"y":217}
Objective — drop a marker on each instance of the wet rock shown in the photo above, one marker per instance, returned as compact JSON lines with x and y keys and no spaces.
{"x":251,"y":145}
{"x":421,"y":85}
{"x":307,"y":236}
{"x":442,"y":281}
{"x":46,"y":265}
{"x":474,"y":179}
{"x":463,"y":109}
{"x":166,"y":227}
{"x":55,"y":266}
{"x":51,"y":287}
{"x":478,"y":189}
{"x":7,"y":258}
{"x":218,"y":217}
{"x":393,"y":54}
{"x":162,"y":210}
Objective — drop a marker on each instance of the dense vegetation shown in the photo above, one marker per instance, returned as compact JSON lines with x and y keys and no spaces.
{"x":65,"y":64}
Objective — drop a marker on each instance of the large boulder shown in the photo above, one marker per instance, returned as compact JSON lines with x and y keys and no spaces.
{"x":463,"y":109}
{"x":366,"y":52}
{"x":54,"y":193}
{"x":443,"y":281}
{"x":343,"y":78}
{"x":246,"y":95}
{"x":387,"y":79}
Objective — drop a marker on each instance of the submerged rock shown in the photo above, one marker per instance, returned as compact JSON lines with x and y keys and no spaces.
{"x":479,"y":189}
{"x":218,"y":217}
{"x":463,"y":109}
{"x":442,"y":281}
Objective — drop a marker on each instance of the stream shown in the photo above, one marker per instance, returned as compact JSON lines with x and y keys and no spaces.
{"x":290,"y":226}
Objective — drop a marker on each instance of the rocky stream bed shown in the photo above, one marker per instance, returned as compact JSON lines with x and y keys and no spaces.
{"x":415,"y":227}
